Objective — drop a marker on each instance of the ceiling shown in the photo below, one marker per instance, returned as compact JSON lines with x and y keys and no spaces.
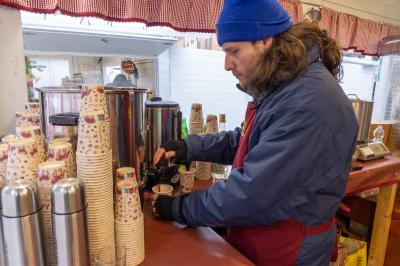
{"x":68,"y":42}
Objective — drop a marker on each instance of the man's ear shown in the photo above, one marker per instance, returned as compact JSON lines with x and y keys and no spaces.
{"x":267,"y":42}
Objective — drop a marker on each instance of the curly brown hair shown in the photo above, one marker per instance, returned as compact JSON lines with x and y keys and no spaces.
{"x":287,"y":57}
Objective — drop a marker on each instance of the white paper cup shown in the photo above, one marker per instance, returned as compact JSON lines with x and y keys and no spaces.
{"x":163,"y":189}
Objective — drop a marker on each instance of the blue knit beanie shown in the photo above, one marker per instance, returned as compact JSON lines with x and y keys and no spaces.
{"x":251,"y":20}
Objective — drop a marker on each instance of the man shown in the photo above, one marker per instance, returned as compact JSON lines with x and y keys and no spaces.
{"x":291,"y":160}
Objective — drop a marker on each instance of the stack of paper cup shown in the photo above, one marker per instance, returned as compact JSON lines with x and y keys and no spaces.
{"x":93,"y":97}
{"x":22,"y":160}
{"x":35,"y":133}
{"x":48,"y":174}
{"x":186,"y":179}
{"x":64,"y":152}
{"x":94,"y":166}
{"x":196,"y":119}
{"x":32,"y":108}
{"x":96,"y":172}
{"x":129,"y":226}
{"x":23,"y":119}
{"x":212,"y":124}
{"x":92,"y":133}
{"x":204,"y":169}
{"x":3,"y":161}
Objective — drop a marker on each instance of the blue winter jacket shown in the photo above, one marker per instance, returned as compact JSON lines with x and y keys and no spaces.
{"x":297,"y":164}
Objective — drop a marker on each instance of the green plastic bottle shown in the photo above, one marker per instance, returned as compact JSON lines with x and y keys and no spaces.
{"x":184,"y":130}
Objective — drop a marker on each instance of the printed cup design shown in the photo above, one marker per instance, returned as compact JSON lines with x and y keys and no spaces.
{"x":126,"y":173}
{"x":3,"y":161}
{"x":51,"y":172}
{"x":187,"y":179}
{"x":196,"y":113}
{"x":63,"y":152}
{"x":93,"y":134}
{"x":92,"y":97}
{"x":22,"y":119}
{"x":22,"y":160}
{"x":127,"y":204}
{"x":32,"y":108}
{"x":35,"y":133}
{"x":212,"y":124}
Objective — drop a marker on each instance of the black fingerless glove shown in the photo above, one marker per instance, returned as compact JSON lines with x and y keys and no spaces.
{"x":180,"y":149}
{"x":163,"y":207}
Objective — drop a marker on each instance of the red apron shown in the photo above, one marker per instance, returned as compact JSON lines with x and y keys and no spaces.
{"x":277,"y":244}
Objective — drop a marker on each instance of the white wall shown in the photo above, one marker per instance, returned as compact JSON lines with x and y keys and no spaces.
{"x":147,"y":74}
{"x":199,"y":76}
{"x":13,"y":90}
{"x":164,"y":83}
{"x":358,"y":79}
{"x":55,"y":69}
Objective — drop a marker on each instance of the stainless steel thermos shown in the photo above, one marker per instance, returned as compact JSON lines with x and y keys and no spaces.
{"x":70,"y":224}
{"x":21,"y":223}
{"x":2,"y":256}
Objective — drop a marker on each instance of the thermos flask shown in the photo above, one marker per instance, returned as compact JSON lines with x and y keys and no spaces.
{"x":70,"y":224}
{"x":2,"y":256}
{"x":22,"y":224}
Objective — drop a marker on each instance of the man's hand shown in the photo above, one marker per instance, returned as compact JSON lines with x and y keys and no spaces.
{"x":173,"y":148}
{"x":162,"y":206}
{"x":159,"y":154}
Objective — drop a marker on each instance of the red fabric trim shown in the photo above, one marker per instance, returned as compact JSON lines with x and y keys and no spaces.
{"x":184,"y":16}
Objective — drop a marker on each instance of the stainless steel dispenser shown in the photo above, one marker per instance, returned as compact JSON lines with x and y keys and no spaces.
{"x":21,"y":223}
{"x":164,"y":123}
{"x":126,"y":109}
{"x":125,"y":104}
{"x":363,"y":112}
{"x":70,"y":224}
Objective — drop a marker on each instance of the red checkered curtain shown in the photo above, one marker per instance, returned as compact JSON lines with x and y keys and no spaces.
{"x":362,"y":35}
{"x":294,"y":8}
{"x":367,"y":37}
{"x":181,"y":15}
{"x":340,"y":26}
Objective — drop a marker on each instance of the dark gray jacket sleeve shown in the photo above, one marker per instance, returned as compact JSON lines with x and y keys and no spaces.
{"x":216,"y":148}
{"x":295,"y":157}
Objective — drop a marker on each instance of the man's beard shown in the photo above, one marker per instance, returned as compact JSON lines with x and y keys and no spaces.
{"x":253,"y":92}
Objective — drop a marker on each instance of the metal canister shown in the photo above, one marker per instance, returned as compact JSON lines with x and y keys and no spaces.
{"x":2,"y":256}
{"x":70,"y":224}
{"x":363,"y":112}
{"x":21,"y":223}
{"x":164,"y":123}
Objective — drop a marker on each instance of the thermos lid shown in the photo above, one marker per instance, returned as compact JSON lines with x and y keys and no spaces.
{"x":68,"y":196}
{"x":20,"y":198}
{"x":158,"y":102}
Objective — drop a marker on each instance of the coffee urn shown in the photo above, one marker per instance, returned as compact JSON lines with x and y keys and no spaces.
{"x":70,"y":224}
{"x":163,"y":123}
{"x":22,"y":224}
